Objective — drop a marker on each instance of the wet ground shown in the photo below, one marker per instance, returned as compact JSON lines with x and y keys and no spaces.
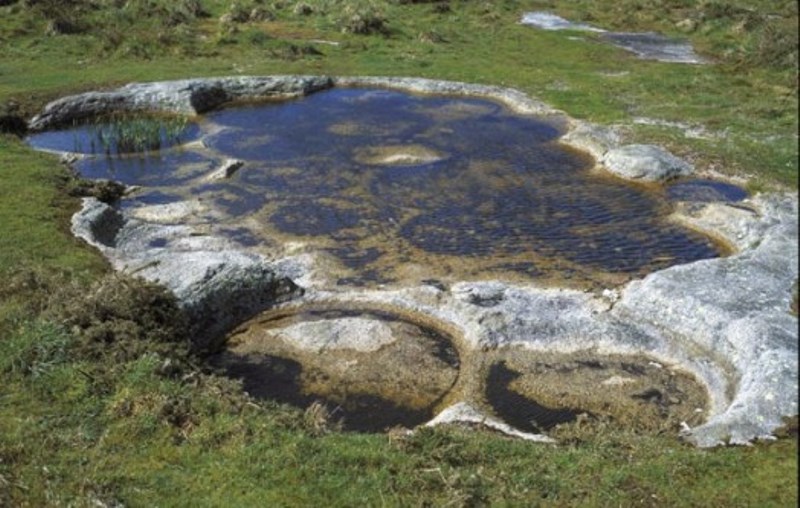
{"x":645,"y":45}
{"x":397,"y":188}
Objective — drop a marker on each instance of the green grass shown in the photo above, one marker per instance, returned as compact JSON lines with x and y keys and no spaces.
{"x":121,"y":134}
{"x":88,"y":411}
{"x":34,"y":213}
{"x":747,"y":97}
{"x":74,"y":432}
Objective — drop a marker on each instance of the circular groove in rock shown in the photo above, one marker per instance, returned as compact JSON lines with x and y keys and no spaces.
{"x":395,"y":374}
{"x":538,"y":391}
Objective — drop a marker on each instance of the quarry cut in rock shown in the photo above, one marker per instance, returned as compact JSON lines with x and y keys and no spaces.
{"x":723,"y":321}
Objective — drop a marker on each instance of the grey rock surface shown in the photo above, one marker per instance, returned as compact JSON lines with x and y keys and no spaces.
{"x":168,"y":213}
{"x":595,"y":139}
{"x":227,"y":169}
{"x":191,"y":96}
{"x":737,"y":308}
{"x":217,"y":286}
{"x":647,"y":163}
{"x":358,"y":334}
{"x":463,"y":413}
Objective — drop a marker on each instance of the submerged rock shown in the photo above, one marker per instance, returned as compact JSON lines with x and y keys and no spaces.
{"x":364,"y":364}
{"x":168,"y":213}
{"x":360,"y":334}
{"x":400,"y":155}
{"x":227,"y":169}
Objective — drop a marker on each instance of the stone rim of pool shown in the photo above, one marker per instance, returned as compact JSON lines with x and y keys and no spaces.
{"x":726,"y":320}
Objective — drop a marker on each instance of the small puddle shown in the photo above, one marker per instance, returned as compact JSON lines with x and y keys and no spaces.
{"x":705,"y":191}
{"x":653,"y":46}
{"x":536,"y":392}
{"x":372,"y":370}
{"x":522,"y":412}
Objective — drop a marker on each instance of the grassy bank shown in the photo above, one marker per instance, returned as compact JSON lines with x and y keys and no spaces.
{"x":101,"y":405}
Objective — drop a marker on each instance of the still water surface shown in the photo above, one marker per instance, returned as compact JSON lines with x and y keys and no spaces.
{"x":395,"y":186}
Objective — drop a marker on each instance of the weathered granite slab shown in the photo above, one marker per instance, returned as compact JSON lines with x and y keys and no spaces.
{"x":190,"y":96}
{"x":724,"y":320}
{"x":647,"y":163}
{"x":217,"y":285}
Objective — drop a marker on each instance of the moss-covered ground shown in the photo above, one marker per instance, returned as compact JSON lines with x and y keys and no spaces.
{"x":102,"y":406}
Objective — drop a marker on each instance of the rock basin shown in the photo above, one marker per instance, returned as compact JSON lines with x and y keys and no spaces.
{"x":393,"y":188}
{"x":722,"y":321}
{"x":374,"y":369}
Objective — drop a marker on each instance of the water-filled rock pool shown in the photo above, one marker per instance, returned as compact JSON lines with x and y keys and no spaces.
{"x":395,"y":186}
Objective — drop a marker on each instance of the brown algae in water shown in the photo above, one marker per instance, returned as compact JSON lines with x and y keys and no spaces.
{"x":372,"y":370}
{"x":461,"y":186}
{"x":536,"y":391}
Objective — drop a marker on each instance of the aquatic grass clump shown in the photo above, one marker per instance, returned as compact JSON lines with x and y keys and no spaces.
{"x":121,"y":134}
